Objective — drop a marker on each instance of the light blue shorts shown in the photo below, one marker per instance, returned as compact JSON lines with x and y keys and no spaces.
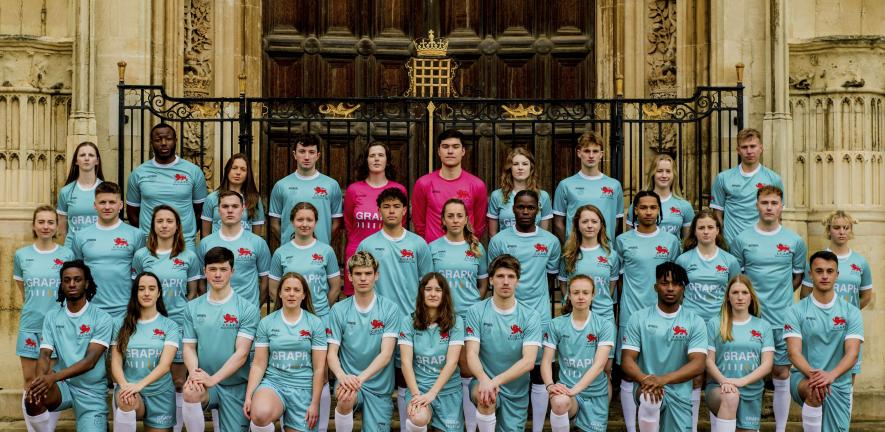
{"x":448,"y":413}
{"x":749,"y":409}
{"x":836,"y":407}
{"x":229,"y":400}
{"x":592,"y":415}
{"x":90,"y":406}
{"x":510,"y":412}
{"x":296,"y":401}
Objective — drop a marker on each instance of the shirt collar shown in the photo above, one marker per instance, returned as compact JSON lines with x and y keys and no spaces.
{"x":667,"y":315}
{"x":170,"y":164}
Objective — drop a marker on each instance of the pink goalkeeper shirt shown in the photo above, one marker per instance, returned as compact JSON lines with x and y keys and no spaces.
{"x":361,"y":217}
{"x":432,"y":191}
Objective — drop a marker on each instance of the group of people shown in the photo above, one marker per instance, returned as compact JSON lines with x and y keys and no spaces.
{"x":676,"y":301}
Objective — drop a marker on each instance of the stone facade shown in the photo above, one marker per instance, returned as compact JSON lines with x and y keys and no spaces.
{"x":813,"y":77}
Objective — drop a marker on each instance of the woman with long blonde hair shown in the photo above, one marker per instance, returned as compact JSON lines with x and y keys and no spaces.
{"x":518,"y":173}
{"x":663,"y":179}
{"x":739,"y":357}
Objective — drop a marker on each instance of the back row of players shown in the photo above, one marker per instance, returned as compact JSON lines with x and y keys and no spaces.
{"x":448,"y":209}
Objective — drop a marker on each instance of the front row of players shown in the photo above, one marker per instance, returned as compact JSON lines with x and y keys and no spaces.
{"x":664,"y":347}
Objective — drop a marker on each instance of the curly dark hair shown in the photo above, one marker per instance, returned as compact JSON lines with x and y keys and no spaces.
{"x":91,"y":287}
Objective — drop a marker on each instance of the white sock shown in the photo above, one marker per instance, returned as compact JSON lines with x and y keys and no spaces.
{"x":649,"y":415}
{"x":124,"y":421}
{"x":216,"y":424}
{"x":486,"y":423}
{"x":343,"y":422}
{"x":53,"y":419}
{"x":467,"y":406}
{"x":179,"y":399}
{"x":695,"y":408}
{"x":559,"y":423}
{"x":325,"y":406}
{"x":39,"y":422}
{"x":540,"y":398}
{"x":713,"y":420}
{"x":628,"y":405}
{"x":255,"y":428}
{"x":781,"y":403}
{"x":192,"y":416}
{"x":401,"y":407}
{"x":725,"y":425}
{"x":850,"y":401}
{"x":812,"y":417}
{"x":410,"y":427}
{"x":25,"y":414}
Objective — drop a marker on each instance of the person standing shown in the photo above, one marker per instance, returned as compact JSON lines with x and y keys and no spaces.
{"x":823,"y":333}
{"x":166,"y":179}
{"x":676,"y":212}
{"x":518,"y":173}
{"x":237,"y":177}
{"x":734,"y":190}
{"x":76,"y":199}
{"x":432,"y":190}
{"x":306,"y":184}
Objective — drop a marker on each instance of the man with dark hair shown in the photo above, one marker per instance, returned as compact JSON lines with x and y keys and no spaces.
{"x":251,"y":254}
{"x":664,"y":347}
{"x":503,"y":337}
{"x":109,"y":246}
{"x":432,"y":190}
{"x":734,"y":190}
{"x":306,"y":184}
{"x":219,"y":327}
{"x":79,"y":335}
{"x":773,"y":257}
{"x":166,"y":179}
{"x":823,"y":333}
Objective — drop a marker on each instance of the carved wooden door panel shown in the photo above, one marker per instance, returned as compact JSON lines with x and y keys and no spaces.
{"x":504,"y":49}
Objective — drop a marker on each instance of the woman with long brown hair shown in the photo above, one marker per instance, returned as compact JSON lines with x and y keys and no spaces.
{"x":587,"y":251}
{"x":430,"y":343}
{"x":739,"y":357}
{"x":76,"y":200}
{"x":142,"y":350}
{"x":237,"y":177}
{"x":288,"y":369}
{"x":518,"y":173}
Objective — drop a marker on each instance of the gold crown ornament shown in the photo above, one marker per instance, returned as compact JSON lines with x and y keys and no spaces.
{"x":431,"y":46}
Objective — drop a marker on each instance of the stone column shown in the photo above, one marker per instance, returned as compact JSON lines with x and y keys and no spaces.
{"x":82,"y":124}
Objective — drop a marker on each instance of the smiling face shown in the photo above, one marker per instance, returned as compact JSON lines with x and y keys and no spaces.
{"x":663,"y":176}
{"x":148,"y":292}
{"x":589,"y":224}
{"x":304,"y":223}
{"x":45,"y":225}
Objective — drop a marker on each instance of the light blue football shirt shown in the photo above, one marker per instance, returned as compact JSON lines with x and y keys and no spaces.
{"x":69,"y":335}
{"x":429,"y":349}
{"x":174,"y":273}
{"x":734,"y":192}
{"x":664,"y":342}
{"x":320,"y":190}
{"x":215,"y":326}
{"x":108,"y":252}
{"x":462,"y":269}
{"x":707,"y":280}
{"x":639,"y":255}
{"x":503,"y":212}
{"x":78,"y":206}
{"x":211,"y":214}
{"x":743,"y":354}
{"x":144,"y":349}
{"x":824,"y":328}
{"x":501,"y":335}
{"x":604,"y":268}
{"x":290,"y":348}
{"x":359,"y":334}
{"x":676,"y":213}
{"x":316,"y":262}
{"x":251,"y":260}
{"x":538,"y":254}
{"x":770,"y":259}
{"x":179,"y":184}
{"x":854,"y":276}
{"x":602,"y":191}
{"x":402,"y":262}
{"x":576,"y":345}
{"x":39,"y":272}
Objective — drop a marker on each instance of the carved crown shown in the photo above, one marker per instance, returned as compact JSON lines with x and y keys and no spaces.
{"x":431,"y":46}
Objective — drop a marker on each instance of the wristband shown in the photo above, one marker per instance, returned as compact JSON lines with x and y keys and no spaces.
{"x":547,"y":387}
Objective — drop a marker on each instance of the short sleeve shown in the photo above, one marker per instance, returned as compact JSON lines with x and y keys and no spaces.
{"x":675,"y":248}
{"x":607,"y":335}
{"x":137,"y":263}
{"x":550,"y":338}
{"x":406,"y":333}
{"x":194,"y":270}
{"x":425,"y":260}
{"x":533,"y":332}
{"x":133,"y":193}
{"x":332,"y":269}
{"x":337,"y":200}
{"x":335,"y":330}
{"x":562,"y":275}
{"x":736,"y":248}
{"x":276,"y":200}
{"x":249,"y":325}
{"x":615,"y":262}
{"x":473,"y":326}
{"x":483,"y":261}
{"x":632,"y":339}
{"x":456,"y":334}
{"x":61,"y":207}
{"x":687,"y":214}
{"x":263,"y":256}
{"x":276,"y":266}
{"x":262,"y":336}
{"x":17,"y":271}
{"x":208,"y":212}
{"x":630,"y":216}
{"x":258,"y":218}
{"x":47,"y":340}
{"x":855,"y":325}
{"x":697,"y":340}
{"x":546,"y":206}
{"x":713,"y":333}
{"x":494,"y":207}
{"x":75,"y":245}
{"x":792,"y":323}
{"x":139,"y":238}
{"x":554,"y":257}
{"x":619,"y":199}
{"x":189,"y":333}
{"x":717,"y":200}
{"x":799,"y":256}
{"x":318,"y":335}
{"x":494,"y":246}
{"x":767,"y":340}
{"x":780,"y":185}
{"x":734,"y":268}
{"x":104,"y":330}
{"x":199,"y":191}
{"x":173,"y":334}
{"x":866,"y":276}
{"x":392,"y":316}
{"x":115,"y":332}
{"x":560,"y":200}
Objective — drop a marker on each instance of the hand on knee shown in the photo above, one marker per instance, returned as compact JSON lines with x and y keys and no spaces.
{"x":191,"y":395}
{"x":559,"y":404}
{"x":420,"y":417}
{"x":648,"y":408}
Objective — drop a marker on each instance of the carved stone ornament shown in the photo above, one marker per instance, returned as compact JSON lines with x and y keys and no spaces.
{"x":661,"y":66}
{"x":198,"y":47}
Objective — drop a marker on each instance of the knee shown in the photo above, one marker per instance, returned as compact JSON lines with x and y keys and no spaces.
{"x":261,"y":415}
{"x":559,"y":404}
{"x":193,"y":396}
{"x":647,"y":406}
{"x":731,"y":400}
{"x":780,"y":372}
{"x":178,"y":382}
{"x":126,"y":405}
{"x":421,"y":418}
